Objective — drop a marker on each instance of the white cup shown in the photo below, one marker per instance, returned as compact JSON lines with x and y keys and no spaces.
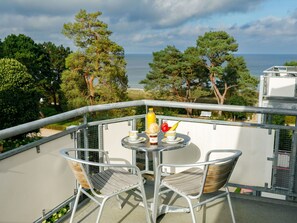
{"x":171,"y":135}
{"x":133,"y":135}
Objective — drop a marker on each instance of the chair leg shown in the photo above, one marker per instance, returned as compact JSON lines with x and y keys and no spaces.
{"x":120,"y":203}
{"x":146,"y":209}
{"x":75,"y":203}
{"x":191,"y":210}
{"x":101,"y":209}
{"x":230,"y":206}
{"x":155,"y":203}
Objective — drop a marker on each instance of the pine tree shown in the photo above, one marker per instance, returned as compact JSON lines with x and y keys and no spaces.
{"x":99,"y":61}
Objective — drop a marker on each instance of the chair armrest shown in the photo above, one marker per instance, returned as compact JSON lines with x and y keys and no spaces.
{"x":63,"y":152}
{"x":109,"y":165}
{"x":236,"y":153}
{"x":189,"y":165}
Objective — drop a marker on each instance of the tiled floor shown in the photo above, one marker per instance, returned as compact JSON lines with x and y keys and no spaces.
{"x":247,"y":209}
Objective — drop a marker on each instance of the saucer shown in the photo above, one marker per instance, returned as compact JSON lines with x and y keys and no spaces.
{"x":177,"y":140}
{"x":139,"y":140}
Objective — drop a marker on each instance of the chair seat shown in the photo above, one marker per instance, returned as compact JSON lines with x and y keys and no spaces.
{"x":203,"y":177}
{"x":187,"y":182}
{"x":113,"y":181}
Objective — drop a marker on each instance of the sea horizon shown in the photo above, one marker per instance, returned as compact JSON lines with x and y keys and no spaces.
{"x":138,"y":64}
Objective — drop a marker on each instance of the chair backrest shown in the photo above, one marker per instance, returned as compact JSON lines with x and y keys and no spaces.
{"x":77,"y":167}
{"x":79,"y":173}
{"x":219,"y":172}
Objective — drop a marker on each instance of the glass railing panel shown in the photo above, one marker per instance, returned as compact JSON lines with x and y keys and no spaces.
{"x":35,"y":181}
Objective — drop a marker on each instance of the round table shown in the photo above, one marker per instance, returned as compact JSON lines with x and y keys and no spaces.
{"x":145,"y":146}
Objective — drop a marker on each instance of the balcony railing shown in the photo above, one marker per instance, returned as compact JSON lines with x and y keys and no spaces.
{"x":35,"y":180}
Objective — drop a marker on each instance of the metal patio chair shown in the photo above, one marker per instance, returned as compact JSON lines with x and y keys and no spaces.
{"x":206,"y":177}
{"x":108,"y":179}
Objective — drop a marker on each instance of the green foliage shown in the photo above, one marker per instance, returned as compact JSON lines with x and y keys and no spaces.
{"x":1,"y":49}
{"x":216,"y":49}
{"x":64,"y":124}
{"x":243,"y":84}
{"x":100,"y":62}
{"x":165,"y":75}
{"x":290,"y":120}
{"x":26,"y":51}
{"x":47,"y":111}
{"x":45,"y":62}
{"x":176,"y":76}
{"x":74,"y":89}
{"x":278,"y":120}
{"x":227,"y":74}
{"x":237,"y":100}
{"x":199,"y":71}
{"x":15,"y":142}
{"x":57,"y":56}
{"x":56,"y":216}
{"x":290,"y":63}
{"x":19,"y":99}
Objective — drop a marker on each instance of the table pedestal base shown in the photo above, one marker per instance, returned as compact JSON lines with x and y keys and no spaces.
{"x":165,"y":208}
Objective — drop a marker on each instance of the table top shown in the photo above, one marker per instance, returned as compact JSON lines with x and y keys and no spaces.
{"x":162,"y":144}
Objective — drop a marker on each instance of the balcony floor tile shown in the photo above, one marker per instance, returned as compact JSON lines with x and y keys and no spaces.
{"x":246,"y":209}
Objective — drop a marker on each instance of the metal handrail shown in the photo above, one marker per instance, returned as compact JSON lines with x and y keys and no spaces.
{"x":23,"y":128}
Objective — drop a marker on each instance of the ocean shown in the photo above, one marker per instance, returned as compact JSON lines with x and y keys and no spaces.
{"x":138,"y":65}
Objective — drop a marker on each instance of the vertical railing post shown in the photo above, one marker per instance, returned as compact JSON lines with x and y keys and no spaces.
{"x":100,"y":144}
{"x":134,"y":127}
{"x":86,"y":141}
{"x":100,"y":137}
{"x":293,"y":160}
{"x":145,"y":121}
{"x":86,"y":138}
{"x":275,"y":158}
{"x":269,"y":122}
{"x":146,"y":153}
{"x":261,"y":94}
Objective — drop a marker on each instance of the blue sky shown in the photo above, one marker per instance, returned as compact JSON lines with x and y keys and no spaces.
{"x":146,"y":26}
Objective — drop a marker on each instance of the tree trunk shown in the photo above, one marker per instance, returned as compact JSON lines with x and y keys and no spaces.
{"x":91,"y":89}
{"x":89,"y":82}
{"x":188,"y":96}
{"x":220,"y":98}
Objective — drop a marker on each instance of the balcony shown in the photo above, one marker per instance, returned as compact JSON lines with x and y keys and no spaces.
{"x":278,"y":87}
{"x":36,"y":181}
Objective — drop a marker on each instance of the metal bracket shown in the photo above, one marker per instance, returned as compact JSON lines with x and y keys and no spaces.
{"x":129,"y":123}
{"x":214,"y":126}
{"x":105,"y":126}
{"x":270,"y":158}
{"x":37,"y":149}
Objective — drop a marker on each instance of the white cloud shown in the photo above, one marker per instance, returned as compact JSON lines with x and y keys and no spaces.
{"x":37,"y":27}
{"x":146,"y":25}
{"x":270,"y":34}
{"x":269,"y":27}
